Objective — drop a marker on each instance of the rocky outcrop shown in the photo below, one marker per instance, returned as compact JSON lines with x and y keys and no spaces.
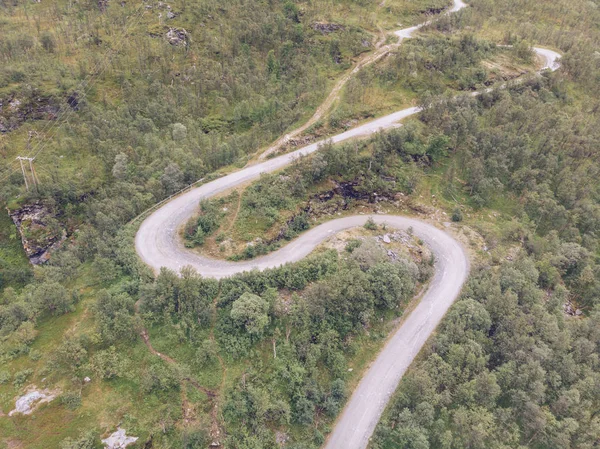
{"x":27,"y":403}
{"x":118,"y":440}
{"x":177,"y":36}
{"x":40,"y":231}
{"x":326,"y":28}
{"x":17,"y":109}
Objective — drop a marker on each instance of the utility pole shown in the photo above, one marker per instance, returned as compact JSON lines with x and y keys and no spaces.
{"x":20,"y":159}
{"x":31,"y":169}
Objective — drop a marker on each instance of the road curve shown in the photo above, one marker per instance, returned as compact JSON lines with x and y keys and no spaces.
{"x":158,"y":245}
{"x":157,"y":241}
{"x":368,"y":401}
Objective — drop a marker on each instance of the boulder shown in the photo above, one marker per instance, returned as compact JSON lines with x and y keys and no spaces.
{"x":177,"y":36}
{"x":118,"y":440}
{"x":27,"y":403}
{"x":40,"y":231}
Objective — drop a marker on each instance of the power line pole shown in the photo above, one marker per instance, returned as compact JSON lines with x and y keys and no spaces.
{"x":34,"y":179}
{"x":33,"y":174}
{"x":20,"y":159}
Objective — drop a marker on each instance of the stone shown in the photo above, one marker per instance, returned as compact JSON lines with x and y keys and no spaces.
{"x":578,"y":312}
{"x":39,"y":233}
{"x":281,"y":438}
{"x":33,"y":106}
{"x":177,"y":36}
{"x":27,"y":403}
{"x":87,"y":380}
{"x":386,"y":239}
{"x":118,"y":440}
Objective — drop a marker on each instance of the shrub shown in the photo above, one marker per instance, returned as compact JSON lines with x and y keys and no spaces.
{"x":370,"y":224}
{"x":4,"y":377}
{"x":71,"y":400}
{"x":21,"y":376}
{"x":457,"y":214}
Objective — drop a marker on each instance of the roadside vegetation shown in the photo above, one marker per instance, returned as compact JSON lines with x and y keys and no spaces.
{"x":122,"y":105}
{"x":515,"y":361}
{"x":268,"y":359}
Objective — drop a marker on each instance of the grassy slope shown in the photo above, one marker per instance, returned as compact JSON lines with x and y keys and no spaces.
{"x":12,"y":255}
{"x":105,"y":404}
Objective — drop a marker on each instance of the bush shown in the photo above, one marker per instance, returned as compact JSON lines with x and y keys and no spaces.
{"x":352,"y":245}
{"x":48,"y":42}
{"x":4,"y":377}
{"x":195,"y":439}
{"x":21,"y":376}
{"x":206,"y":353}
{"x":370,"y":224}
{"x":85,"y":441}
{"x":457,"y":214}
{"x":71,"y":400}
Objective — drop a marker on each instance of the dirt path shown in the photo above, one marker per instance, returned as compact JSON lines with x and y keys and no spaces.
{"x":215,"y":430}
{"x":380,"y":51}
{"x":235,"y":214}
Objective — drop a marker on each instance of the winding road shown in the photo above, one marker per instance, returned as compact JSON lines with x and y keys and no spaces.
{"x":158,"y":245}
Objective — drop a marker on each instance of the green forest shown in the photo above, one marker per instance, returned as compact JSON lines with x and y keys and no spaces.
{"x":124,"y":104}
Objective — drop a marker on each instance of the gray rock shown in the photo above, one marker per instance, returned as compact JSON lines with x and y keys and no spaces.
{"x":177,"y":36}
{"x":34,"y":219}
{"x":119,"y":440}
{"x":27,"y":403}
{"x":386,"y":239}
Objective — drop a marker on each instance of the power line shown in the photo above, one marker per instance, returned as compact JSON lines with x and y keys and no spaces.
{"x":86,"y":83}
{"x":93,"y":77}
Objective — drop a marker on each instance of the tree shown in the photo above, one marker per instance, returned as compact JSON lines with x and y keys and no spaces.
{"x":179,"y":132}
{"x":250,"y":311}
{"x":272,"y":64}
{"x":71,"y":354}
{"x":172,"y":178}
{"x":160,"y":377}
{"x":105,"y":269}
{"x":114,"y":317}
{"x":387,"y":285}
{"x":119,"y":170}
{"x":437,"y":148}
{"x":53,"y":297}
{"x":108,"y":364}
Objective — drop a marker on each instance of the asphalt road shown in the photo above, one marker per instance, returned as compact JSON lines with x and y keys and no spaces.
{"x":158,"y":245}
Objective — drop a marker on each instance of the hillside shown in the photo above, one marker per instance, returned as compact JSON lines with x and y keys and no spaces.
{"x":123,"y":104}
